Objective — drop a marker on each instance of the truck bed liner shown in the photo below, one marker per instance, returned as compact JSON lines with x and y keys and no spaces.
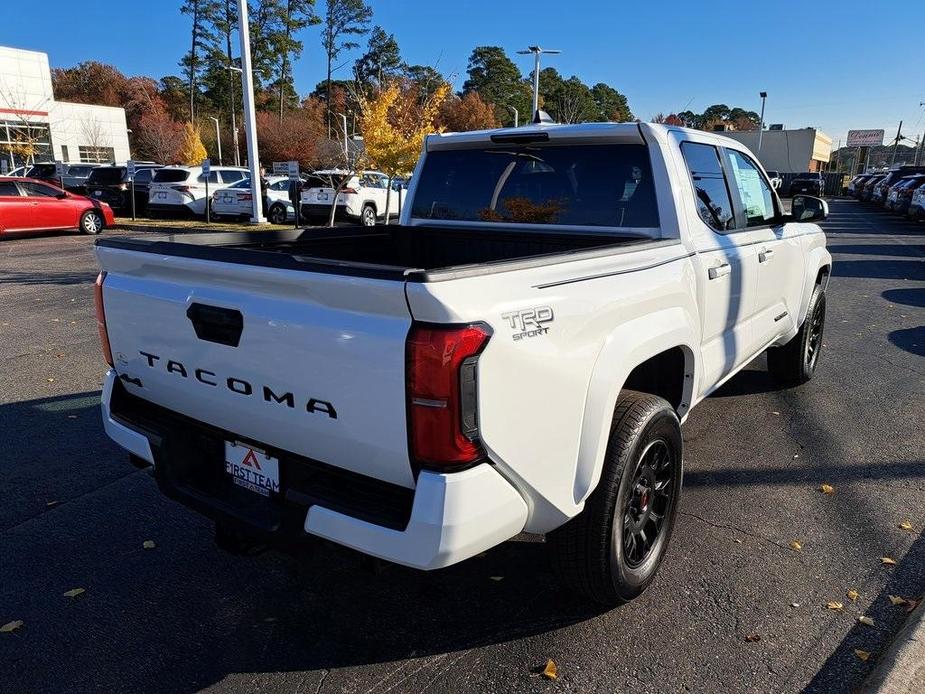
{"x":417,"y":254}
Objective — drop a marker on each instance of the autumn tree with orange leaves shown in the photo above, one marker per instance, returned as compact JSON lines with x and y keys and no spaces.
{"x":395,"y":121}
{"x":469,"y":112}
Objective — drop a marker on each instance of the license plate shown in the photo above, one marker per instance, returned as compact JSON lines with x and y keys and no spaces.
{"x":322,"y":196}
{"x":251,"y":468}
{"x":227,"y":199}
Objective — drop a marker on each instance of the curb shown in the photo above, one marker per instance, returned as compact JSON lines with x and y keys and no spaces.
{"x":901,"y":668}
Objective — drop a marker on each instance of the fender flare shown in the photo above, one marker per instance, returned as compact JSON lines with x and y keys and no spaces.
{"x":663,"y":330}
{"x":817,"y":258}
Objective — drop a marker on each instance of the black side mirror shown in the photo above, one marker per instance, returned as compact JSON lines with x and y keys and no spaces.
{"x":61,"y":196}
{"x":806,"y":208}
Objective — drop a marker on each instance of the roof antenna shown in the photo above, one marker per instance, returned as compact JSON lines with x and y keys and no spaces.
{"x":542,"y":117}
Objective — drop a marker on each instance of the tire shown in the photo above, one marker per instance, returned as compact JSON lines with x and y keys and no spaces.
{"x":278,"y":214}
{"x":368,"y":216}
{"x":795,"y":363}
{"x":598,"y":553}
{"x":91,"y":223}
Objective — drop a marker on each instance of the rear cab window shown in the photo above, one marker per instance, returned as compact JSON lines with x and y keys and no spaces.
{"x":597,"y":185}
{"x":714,"y":204}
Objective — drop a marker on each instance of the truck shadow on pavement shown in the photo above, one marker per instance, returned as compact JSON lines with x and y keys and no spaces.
{"x":45,"y":277}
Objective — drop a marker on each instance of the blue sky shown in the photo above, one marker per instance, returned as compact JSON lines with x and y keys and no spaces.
{"x":828,"y":64}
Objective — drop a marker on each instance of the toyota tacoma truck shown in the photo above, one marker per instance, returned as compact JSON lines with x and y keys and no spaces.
{"x":518,"y":355}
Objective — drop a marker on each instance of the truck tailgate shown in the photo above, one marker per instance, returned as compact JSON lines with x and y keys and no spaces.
{"x":307,"y":362}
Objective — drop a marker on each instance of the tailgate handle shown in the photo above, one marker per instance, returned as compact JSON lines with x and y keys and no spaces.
{"x":215,"y":324}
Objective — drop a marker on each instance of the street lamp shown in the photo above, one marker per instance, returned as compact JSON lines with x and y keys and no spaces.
{"x":234,"y":126}
{"x":537,"y":51}
{"x":218,"y":140}
{"x":763,"y":95}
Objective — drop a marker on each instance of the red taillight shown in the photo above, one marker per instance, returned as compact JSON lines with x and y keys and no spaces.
{"x":442,"y":397}
{"x":182,"y":189}
{"x":349,"y":191}
{"x":242,"y":197}
{"x":101,"y":317}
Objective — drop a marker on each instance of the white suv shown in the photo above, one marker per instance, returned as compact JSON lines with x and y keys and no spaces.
{"x":363,"y":197}
{"x":183,"y":188}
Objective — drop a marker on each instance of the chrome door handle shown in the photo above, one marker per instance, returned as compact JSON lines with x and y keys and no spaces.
{"x":765,"y":256}
{"x":719,"y":271}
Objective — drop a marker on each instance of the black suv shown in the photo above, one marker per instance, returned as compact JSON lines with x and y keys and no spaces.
{"x":810,"y":182}
{"x":112,"y":185}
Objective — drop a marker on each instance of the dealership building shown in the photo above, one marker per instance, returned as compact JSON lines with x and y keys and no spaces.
{"x":35,"y":127}
{"x":788,"y":151}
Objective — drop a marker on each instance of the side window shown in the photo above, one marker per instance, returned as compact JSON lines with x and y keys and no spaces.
{"x":37,"y":190}
{"x":8,"y":189}
{"x":713,"y":203}
{"x":752,"y":189}
{"x":143,"y":176}
{"x":213,"y":177}
{"x":232,"y":176}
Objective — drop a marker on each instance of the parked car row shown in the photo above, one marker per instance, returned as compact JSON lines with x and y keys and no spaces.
{"x":900,"y":190}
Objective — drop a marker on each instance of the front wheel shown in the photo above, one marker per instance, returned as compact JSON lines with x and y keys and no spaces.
{"x":611,"y":551}
{"x":368,"y":217}
{"x":278,"y":214}
{"x":795,"y":362}
{"x":91,"y":222}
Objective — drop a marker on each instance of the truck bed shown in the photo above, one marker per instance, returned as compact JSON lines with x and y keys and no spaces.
{"x":418,"y":253}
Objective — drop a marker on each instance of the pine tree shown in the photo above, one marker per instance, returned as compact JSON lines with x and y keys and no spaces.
{"x":203,"y":13}
{"x":342,"y":19}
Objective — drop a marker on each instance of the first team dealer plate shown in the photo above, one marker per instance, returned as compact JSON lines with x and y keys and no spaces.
{"x":251,"y":468}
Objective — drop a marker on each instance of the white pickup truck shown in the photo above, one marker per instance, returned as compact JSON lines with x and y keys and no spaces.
{"x":517,"y":355}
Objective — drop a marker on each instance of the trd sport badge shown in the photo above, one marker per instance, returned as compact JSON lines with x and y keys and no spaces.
{"x":529,"y":322}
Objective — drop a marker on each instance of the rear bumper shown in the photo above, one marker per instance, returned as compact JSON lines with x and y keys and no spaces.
{"x":447,"y":518}
{"x":313,"y":211}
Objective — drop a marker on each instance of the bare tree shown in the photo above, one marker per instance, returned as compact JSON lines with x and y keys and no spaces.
{"x":25,"y":135}
{"x":95,"y":136}
{"x":334,"y":166}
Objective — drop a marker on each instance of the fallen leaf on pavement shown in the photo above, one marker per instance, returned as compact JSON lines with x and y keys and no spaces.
{"x":827,"y":489}
{"x":834,"y":605}
{"x":751,"y":638}
{"x":887,"y":561}
{"x":864,"y":619}
{"x":911,"y":604}
{"x":795,"y":545}
{"x":148,"y":544}
{"x":51,"y":380}
{"x":852,"y":595}
{"x":550,"y":672}
{"x":11,"y":626}
{"x":794,"y":604}
{"x":74,"y":592}
{"x":737,"y":541}
{"x":897,"y":600}
{"x":906,"y":525}
{"x":775,"y":413}
{"x":862,"y":655}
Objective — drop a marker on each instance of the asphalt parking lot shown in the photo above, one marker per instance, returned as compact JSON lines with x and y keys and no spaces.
{"x":184,"y":616}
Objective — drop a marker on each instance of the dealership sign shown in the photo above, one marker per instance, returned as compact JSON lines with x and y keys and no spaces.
{"x":864,"y":138}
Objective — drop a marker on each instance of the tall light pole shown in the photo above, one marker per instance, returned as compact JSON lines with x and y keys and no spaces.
{"x":250,"y":116}
{"x":218,"y":139}
{"x":537,"y":51}
{"x":234,"y":125}
{"x":763,"y":95}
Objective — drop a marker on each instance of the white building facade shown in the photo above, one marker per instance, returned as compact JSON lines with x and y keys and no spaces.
{"x":34,"y":127}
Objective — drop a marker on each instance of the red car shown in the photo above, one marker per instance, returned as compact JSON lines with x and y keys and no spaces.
{"x":27,"y":204}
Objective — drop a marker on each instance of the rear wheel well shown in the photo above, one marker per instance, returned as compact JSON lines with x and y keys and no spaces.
{"x":665,"y":375}
{"x":823,"y":275}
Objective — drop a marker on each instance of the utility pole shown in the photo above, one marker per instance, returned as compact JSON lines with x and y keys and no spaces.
{"x":250,"y":116}
{"x":763,"y":95}
{"x":896,"y":143}
{"x":918,"y":152}
{"x":537,"y":51}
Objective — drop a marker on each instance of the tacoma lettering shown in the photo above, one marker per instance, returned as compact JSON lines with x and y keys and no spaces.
{"x":241,"y":386}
